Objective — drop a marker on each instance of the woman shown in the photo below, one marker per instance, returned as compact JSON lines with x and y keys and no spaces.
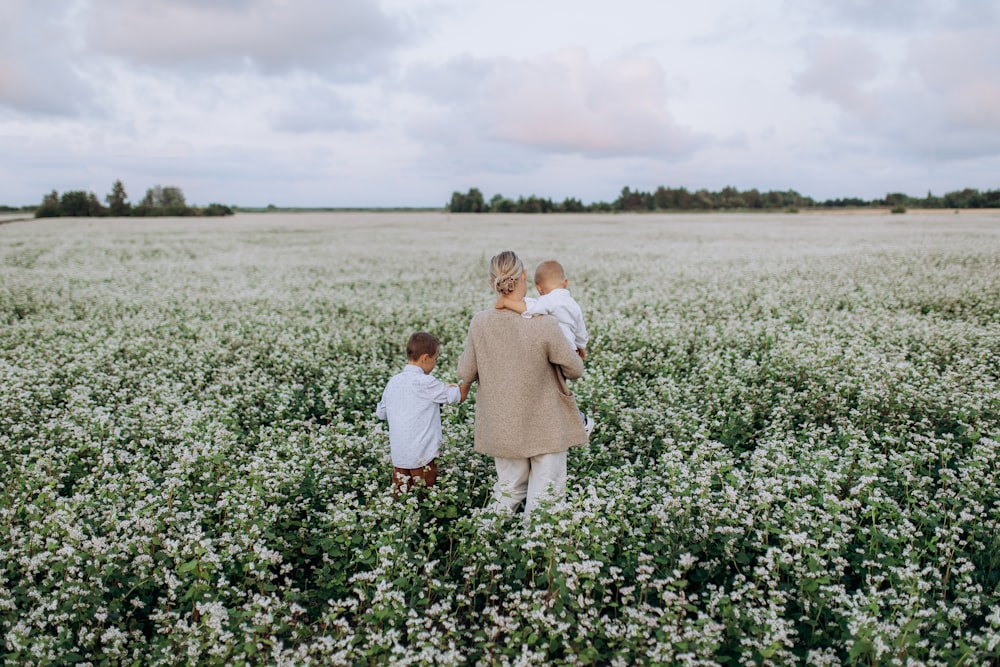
{"x":526,"y":417}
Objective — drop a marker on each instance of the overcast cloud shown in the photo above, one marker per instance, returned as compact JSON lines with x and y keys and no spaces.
{"x":402,"y":102}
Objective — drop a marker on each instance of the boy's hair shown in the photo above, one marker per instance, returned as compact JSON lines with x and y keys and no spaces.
{"x":419,"y":344}
{"x":549,"y":271}
{"x":505,"y":271}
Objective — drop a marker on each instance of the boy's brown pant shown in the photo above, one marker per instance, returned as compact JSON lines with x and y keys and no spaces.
{"x":409,"y":477}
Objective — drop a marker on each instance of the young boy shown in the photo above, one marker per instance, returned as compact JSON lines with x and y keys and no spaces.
{"x":411,"y":403}
{"x":554,"y":299}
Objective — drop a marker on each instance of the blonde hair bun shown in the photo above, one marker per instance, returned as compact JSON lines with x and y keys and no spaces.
{"x":505,"y":270}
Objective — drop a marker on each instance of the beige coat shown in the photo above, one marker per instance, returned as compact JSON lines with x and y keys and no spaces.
{"x":523,"y":406}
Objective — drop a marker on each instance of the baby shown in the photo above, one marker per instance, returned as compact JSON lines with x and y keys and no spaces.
{"x":554,"y":299}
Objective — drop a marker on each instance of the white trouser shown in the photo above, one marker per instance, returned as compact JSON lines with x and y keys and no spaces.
{"x":531,"y":479}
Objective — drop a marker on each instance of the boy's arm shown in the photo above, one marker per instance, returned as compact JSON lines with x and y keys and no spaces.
{"x":441,"y":393}
{"x":541,"y":305}
{"x":580,"y":330}
{"x":463,"y":392}
{"x":507,"y":302}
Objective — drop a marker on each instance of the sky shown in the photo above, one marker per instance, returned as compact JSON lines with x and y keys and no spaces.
{"x":391,"y":103}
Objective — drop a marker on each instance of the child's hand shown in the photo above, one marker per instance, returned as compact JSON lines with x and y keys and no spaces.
{"x":507,"y":302}
{"x":582,"y":352}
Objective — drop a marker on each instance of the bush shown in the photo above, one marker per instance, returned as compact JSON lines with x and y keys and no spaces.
{"x":796,"y":460}
{"x":217,"y":210}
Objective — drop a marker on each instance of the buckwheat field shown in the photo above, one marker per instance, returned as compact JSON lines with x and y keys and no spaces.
{"x":796,"y":459}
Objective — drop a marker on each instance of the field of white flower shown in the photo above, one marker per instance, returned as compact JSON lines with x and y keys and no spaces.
{"x":797,"y":458}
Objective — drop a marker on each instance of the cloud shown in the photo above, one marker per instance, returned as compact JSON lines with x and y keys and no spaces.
{"x":958,"y":71}
{"x":837,"y":69}
{"x":946,"y":104}
{"x":318,"y":109}
{"x":342,"y":39}
{"x":941,"y":102}
{"x":558,"y":103}
{"x":899,"y":15}
{"x":879,"y":14}
{"x":37,"y":53}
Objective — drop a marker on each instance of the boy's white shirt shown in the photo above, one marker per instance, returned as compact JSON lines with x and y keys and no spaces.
{"x":411,"y":403}
{"x":560,"y":304}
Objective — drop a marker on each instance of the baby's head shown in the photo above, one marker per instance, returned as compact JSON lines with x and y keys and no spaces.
{"x":549,"y":276}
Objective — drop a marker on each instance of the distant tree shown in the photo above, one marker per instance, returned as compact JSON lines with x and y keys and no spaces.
{"x":896,"y":199}
{"x":967,"y":198}
{"x":172,"y":198}
{"x":501,"y":204}
{"x":74,"y":204}
{"x":530,"y":205}
{"x":662,"y":199}
{"x":534,"y":204}
{"x":730,"y":197}
{"x":753,"y":199}
{"x":472,"y":202}
{"x":990,"y":199}
{"x":217,"y":210}
{"x":665,"y":199}
{"x":158,"y":201}
{"x":793,"y":198}
{"x":703,"y":200}
{"x":117,"y":200}
{"x":844,"y":202}
{"x":50,"y":206}
{"x":152,"y":197}
{"x":773,"y":199}
{"x":931,"y":201}
{"x":571,"y":205}
{"x":475,"y":201}
{"x":634,"y":201}
{"x":161,"y":200}
{"x":94,"y":207}
{"x":623,"y":197}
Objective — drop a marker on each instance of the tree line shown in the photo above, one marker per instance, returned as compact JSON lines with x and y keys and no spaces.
{"x":159,"y":201}
{"x":727,"y":199}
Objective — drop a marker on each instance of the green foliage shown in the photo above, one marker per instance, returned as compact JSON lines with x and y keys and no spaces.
{"x":163,"y":201}
{"x":217,"y":210}
{"x":80,"y":204}
{"x":49,"y":207}
{"x":117,"y":200}
{"x":727,"y":199}
{"x":158,"y":201}
{"x":468,"y":203}
{"x":796,"y":460}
